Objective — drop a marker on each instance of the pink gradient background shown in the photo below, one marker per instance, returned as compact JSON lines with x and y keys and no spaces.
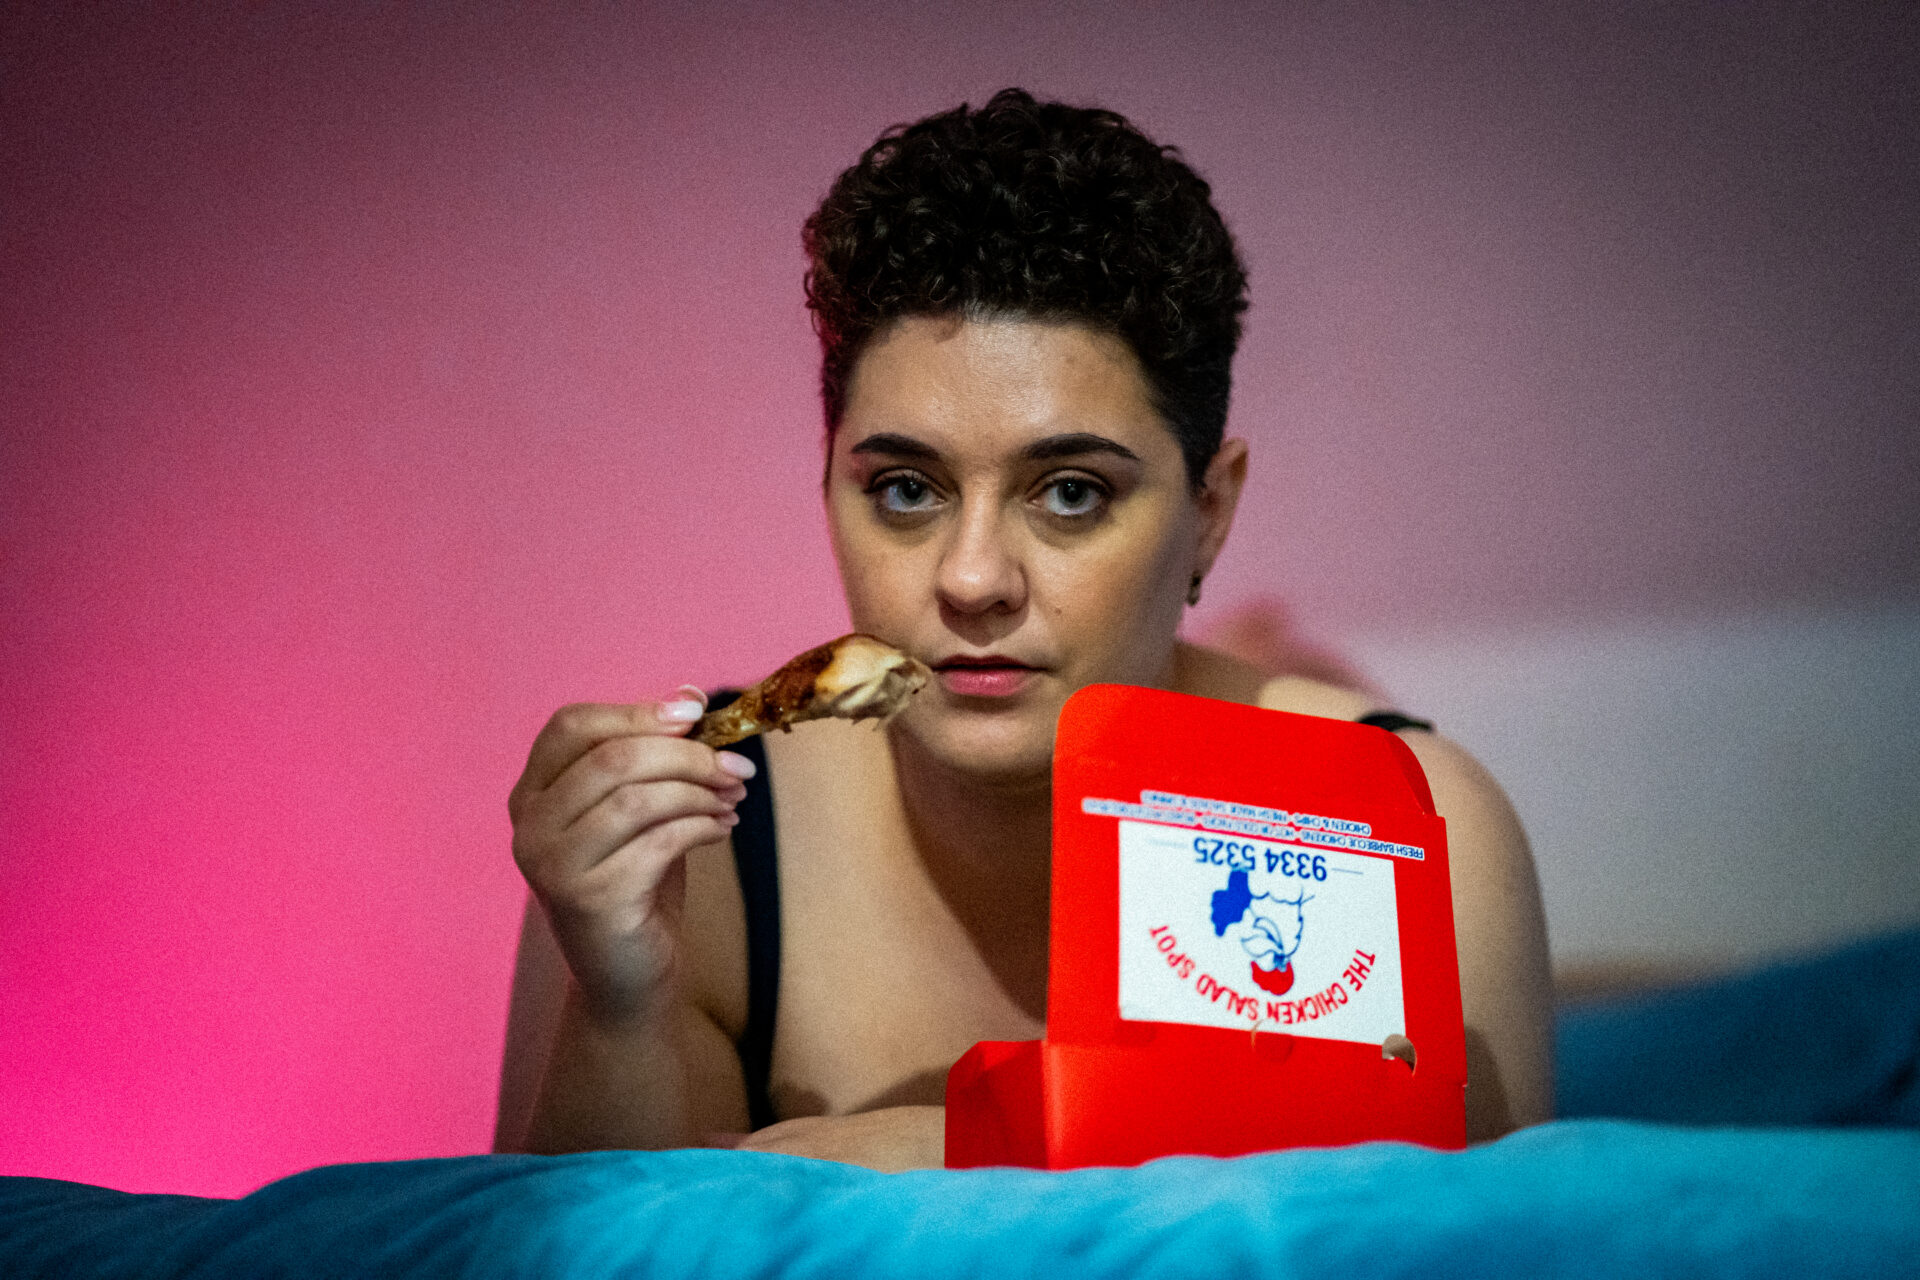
{"x":374,"y":379}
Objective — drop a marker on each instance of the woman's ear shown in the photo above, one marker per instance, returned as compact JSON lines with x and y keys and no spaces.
{"x":1217,"y":498}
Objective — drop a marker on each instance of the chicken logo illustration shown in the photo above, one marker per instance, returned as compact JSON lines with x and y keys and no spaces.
{"x":1271,"y":942}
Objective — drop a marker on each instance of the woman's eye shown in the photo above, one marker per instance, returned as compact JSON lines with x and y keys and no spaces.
{"x":904,"y":495}
{"x":1071,"y":496}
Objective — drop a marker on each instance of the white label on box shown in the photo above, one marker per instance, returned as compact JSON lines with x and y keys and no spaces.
{"x":1224,"y":930}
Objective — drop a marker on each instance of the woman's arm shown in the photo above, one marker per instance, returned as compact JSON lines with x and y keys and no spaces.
{"x":610,"y":807}
{"x":648,"y":1083}
{"x":570,"y":1081}
{"x":1506,"y":988}
{"x":597,"y":1095}
{"x":891,"y":1140}
{"x":533,"y":1018}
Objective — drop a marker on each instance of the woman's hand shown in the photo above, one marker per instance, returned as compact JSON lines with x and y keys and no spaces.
{"x":611,"y":800}
{"x":890,"y":1140}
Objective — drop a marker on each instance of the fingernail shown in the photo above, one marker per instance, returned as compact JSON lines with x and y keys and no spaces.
{"x":737,"y":765}
{"x":680,"y":712}
{"x":694,"y":692}
{"x":729,"y":819}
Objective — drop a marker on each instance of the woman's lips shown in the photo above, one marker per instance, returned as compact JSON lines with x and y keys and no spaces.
{"x":987,"y":679}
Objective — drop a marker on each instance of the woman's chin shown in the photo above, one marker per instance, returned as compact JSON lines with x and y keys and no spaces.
{"x":1002,"y":744}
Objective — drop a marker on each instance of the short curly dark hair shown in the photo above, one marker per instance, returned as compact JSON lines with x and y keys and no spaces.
{"x":1043,"y":210}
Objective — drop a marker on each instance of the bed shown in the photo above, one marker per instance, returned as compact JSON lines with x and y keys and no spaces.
{"x":1761,"y":1125}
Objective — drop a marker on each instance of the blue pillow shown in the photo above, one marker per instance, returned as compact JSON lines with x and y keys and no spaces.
{"x":1834,"y":1040}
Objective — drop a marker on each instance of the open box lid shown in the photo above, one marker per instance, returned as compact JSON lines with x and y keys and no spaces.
{"x":1227,"y":866}
{"x":1252,"y":946}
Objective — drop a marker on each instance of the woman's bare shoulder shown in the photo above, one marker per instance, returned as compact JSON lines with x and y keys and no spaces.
{"x":1308,"y":697}
{"x":1211,"y":673}
{"x":1452,"y":771}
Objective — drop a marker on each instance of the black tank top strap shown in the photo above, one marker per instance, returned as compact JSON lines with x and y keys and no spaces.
{"x":1394,"y":722}
{"x":756,"y":859}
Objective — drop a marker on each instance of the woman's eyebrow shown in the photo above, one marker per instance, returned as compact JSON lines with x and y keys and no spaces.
{"x":1073,"y":443}
{"x":1068,"y":445}
{"x":897,"y":446}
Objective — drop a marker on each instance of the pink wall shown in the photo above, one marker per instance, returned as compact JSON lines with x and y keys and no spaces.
{"x":372,"y":381}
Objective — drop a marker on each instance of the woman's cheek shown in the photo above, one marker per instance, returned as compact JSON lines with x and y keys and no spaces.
{"x":1140,"y":596}
{"x":899,"y":593}
{"x":878,"y":577}
{"x":1104,"y":607}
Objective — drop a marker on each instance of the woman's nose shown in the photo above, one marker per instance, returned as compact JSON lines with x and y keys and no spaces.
{"x":979,"y":571}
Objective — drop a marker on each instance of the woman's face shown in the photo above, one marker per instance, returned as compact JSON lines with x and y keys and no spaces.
{"x":1008,"y":507}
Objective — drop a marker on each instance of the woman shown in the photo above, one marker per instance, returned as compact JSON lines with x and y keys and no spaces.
{"x":1028,"y":315}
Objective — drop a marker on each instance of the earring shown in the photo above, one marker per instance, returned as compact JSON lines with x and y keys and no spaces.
{"x":1193,"y":590}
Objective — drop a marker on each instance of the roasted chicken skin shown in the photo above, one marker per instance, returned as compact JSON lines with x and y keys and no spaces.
{"x":856,"y":677}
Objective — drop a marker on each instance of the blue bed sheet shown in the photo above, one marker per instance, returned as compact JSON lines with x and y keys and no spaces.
{"x":1583,"y":1198}
{"x":1741,"y":1193}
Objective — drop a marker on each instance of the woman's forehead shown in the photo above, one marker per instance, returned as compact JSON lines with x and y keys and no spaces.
{"x":1000,"y":385}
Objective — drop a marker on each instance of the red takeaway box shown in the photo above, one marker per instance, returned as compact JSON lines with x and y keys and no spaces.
{"x":1252,"y":946}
